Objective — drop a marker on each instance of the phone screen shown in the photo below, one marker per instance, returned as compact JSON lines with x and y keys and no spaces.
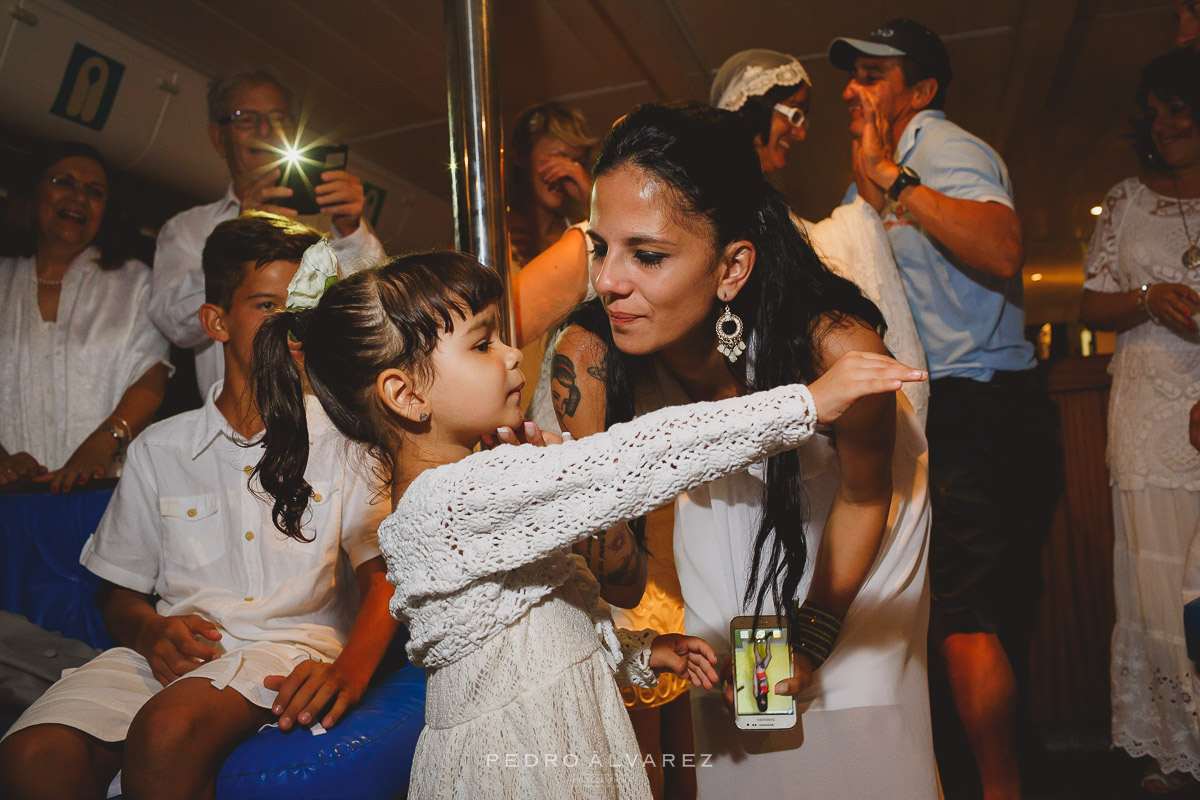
{"x":761,"y":659}
{"x":303,"y":175}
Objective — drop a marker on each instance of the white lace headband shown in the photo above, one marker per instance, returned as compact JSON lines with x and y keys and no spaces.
{"x":318,"y":271}
{"x":751,"y":73}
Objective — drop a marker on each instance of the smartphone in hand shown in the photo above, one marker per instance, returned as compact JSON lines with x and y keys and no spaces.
{"x":303,"y":174}
{"x":762,"y":657}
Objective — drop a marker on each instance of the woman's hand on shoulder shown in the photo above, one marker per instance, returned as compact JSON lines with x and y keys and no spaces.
{"x":854,"y":364}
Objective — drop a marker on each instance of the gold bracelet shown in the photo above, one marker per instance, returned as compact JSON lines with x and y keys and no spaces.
{"x":816,"y":633}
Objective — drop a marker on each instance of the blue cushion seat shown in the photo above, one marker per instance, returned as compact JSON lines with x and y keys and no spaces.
{"x":367,"y":756}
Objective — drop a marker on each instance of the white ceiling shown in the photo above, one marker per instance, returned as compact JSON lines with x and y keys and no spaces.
{"x":1048,"y":82}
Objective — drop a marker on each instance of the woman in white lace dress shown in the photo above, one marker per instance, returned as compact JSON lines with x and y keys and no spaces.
{"x":1139,"y":285}
{"x":520,"y":650}
{"x":695,"y":259}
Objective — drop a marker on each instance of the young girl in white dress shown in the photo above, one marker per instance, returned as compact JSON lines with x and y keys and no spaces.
{"x":520,"y":651}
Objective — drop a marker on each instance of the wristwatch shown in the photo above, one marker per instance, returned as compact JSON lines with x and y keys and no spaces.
{"x":907,"y":177}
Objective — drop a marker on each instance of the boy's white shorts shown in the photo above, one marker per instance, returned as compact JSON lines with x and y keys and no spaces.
{"x":103,"y":696}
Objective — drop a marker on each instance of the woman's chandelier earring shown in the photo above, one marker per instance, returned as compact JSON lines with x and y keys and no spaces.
{"x":729,"y":335}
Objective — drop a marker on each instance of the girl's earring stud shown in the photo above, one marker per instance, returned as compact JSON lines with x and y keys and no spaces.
{"x":424,"y":417}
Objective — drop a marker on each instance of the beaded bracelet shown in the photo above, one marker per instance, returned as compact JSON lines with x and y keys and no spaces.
{"x":816,"y":633}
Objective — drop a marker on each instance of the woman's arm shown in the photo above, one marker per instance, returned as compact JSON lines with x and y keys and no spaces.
{"x":865,"y":437}
{"x":549,"y":286}
{"x":134,"y":412}
{"x":613,"y":556}
{"x":1172,"y":303}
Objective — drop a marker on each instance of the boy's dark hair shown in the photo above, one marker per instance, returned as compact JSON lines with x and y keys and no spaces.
{"x":255,"y":238}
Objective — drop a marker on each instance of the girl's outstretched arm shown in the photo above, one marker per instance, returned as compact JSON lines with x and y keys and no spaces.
{"x":498,"y":510}
{"x":501,"y":509}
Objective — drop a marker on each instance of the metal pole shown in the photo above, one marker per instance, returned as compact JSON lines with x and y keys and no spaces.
{"x":476,"y":143}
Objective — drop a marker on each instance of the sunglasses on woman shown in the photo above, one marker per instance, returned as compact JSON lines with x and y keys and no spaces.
{"x":792,"y":115}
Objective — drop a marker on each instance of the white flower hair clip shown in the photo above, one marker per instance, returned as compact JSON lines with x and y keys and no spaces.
{"x":318,"y":271}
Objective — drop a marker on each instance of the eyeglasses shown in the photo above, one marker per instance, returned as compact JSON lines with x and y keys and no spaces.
{"x":68,"y":182}
{"x":792,"y":115}
{"x":250,"y":120}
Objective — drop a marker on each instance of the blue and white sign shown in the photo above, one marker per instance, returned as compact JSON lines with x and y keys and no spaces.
{"x":88,"y":88}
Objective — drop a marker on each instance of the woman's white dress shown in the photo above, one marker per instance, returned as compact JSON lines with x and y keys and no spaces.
{"x":1155,"y":475}
{"x":853,"y":243}
{"x":864,"y":729}
{"x":59,"y":380}
{"x":520,"y":649}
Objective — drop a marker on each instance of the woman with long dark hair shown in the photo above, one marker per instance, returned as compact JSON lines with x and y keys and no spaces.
{"x":707,"y":290}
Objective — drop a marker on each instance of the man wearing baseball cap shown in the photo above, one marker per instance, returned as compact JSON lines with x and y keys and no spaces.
{"x":946,"y":202}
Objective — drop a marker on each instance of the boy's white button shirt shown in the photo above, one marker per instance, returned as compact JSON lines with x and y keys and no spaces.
{"x":184,"y":525}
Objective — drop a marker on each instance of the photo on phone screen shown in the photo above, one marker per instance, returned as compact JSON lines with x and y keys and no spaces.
{"x":761,"y":659}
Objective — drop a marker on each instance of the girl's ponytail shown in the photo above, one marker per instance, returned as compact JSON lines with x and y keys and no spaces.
{"x":279,"y":396}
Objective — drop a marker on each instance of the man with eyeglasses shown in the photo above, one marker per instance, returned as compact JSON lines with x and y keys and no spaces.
{"x":994,"y":467}
{"x":250,"y":116}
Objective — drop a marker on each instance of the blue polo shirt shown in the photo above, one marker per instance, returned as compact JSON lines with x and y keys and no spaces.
{"x":971,"y":323}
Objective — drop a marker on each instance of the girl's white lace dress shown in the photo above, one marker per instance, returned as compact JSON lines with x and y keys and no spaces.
{"x":520,"y":650}
{"x":1155,"y":474}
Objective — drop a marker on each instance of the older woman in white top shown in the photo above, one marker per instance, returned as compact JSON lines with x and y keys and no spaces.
{"x":82,"y":368}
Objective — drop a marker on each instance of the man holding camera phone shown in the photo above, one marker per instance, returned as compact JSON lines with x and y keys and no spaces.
{"x":250,"y":118}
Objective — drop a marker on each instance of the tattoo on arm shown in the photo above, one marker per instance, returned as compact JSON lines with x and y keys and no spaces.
{"x":628,"y":569}
{"x":563,"y":389}
{"x":599,"y":372}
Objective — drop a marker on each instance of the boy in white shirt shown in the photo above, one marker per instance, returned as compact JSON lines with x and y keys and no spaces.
{"x":199,"y":583}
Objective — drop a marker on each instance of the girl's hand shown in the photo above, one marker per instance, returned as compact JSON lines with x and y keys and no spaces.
{"x":687,"y":656}
{"x":856,"y":375}
{"x":788,"y":687}
{"x":569,"y":175}
{"x":1173,"y":305}
{"x":19,"y":466}
{"x":312,"y":687}
{"x":529,"y":433}
{"x":90,"y":460}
